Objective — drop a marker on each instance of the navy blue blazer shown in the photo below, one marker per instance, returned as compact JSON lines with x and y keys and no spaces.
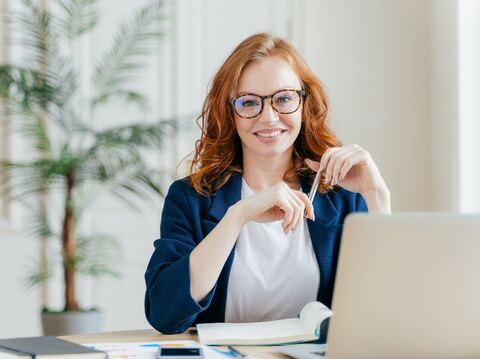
{"x":188,"y":217}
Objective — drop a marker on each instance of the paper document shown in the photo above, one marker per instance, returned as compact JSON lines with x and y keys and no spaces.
{"x":147,"y":350}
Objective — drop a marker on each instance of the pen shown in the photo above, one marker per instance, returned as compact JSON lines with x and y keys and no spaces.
{"x":314,"y":188}
{"x":236,"y":352}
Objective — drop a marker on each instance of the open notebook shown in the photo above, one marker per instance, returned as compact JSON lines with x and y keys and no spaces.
{"x":304,"y":328}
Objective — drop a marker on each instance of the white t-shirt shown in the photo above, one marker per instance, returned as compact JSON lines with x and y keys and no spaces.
{"x":273,"y":274}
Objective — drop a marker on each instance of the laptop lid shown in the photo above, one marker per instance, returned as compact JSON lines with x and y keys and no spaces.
{"x":407,"y":286}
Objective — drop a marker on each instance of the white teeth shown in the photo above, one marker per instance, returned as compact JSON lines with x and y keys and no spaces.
{"x":271,"y":134}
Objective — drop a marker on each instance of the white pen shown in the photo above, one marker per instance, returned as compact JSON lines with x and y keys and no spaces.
{"x":314,"y":188}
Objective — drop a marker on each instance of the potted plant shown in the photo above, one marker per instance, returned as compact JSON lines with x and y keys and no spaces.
{"x":73,"y":159}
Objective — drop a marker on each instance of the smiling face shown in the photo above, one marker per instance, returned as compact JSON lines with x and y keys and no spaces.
{"x":270,"y":134}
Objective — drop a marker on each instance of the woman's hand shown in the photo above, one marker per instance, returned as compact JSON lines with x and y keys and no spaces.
{"x":277,"y":203}
{"x":352,"y":168}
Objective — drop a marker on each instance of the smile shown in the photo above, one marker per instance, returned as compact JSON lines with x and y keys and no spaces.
{"x":270,"y":134}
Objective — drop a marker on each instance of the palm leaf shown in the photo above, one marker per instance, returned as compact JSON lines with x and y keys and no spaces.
{"x":35,"y":276}
{"x":95,"y":255}
{"x":35,"y":131}
{"x":35,"y":28}
{"x":126,"y":176}
{"x":36,"y":35}
{"x":134,"y":41}
{"x":77,"y":17}
{"x":38,"y":222}
{"x":118,"y":147}
{"x":129,"y":96}
{"x":135,"y":135}
{"x":25,"y":87}
{"x":35,"y":177}
{"x":17,"y":180}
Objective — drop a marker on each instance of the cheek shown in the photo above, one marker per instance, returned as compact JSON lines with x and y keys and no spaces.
{"x":294,"y":122}
{"x":241,"y":128}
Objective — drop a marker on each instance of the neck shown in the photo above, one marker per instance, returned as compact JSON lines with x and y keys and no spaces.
{"x":264,"y":172}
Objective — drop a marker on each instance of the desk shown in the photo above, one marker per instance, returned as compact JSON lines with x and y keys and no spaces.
{"x":150,"y":335}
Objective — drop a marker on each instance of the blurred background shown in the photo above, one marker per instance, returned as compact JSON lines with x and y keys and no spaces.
{"x":403,"y":78}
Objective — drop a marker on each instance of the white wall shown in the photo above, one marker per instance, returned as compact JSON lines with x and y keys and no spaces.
{"x":444,"y":105}
{"x":390,"y":69}
{"x":469,"y":105}
{"x":374,"y":58}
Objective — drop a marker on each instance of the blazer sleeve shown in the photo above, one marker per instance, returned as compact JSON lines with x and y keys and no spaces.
{"x":360,"y":204}
{"x":169,"y":306}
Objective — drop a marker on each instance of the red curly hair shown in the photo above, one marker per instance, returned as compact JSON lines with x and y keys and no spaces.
{"x":218,"y":153}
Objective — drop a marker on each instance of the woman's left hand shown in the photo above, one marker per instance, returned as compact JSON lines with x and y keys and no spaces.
{"x":352,"y":168}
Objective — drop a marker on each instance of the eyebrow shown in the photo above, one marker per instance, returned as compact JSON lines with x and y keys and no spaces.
{"x":254,"y":93}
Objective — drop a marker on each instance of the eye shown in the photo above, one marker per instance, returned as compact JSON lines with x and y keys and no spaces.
{"x":283,"y":99}
{"x":248,"y":103}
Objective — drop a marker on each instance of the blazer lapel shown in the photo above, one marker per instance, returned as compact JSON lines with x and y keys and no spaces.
{"x":325,"y":211}
{"x":324,"y":232}
{"x":225,"y":197}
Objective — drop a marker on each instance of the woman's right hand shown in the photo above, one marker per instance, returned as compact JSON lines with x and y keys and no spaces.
{"x":279,"y":202}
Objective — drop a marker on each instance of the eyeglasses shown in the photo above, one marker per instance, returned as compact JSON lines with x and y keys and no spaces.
{"x":284,"y":101}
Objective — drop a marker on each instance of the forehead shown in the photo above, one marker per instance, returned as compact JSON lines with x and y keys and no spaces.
{"x":268,"y":75}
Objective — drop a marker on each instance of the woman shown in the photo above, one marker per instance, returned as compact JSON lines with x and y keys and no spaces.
{"x":240,"y":240}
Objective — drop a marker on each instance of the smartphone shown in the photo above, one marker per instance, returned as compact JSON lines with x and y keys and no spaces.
{"x":179,"y":353}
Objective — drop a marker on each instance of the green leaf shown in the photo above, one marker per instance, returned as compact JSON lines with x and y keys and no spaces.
{"x":28,"y":88}
{"x":123,"y":62}
{"x":35,"y":276}
{"x":34,"y":28}
{"x":128,"y":96}
{"x":98,"y":255}
{"x":38,"y":222}
{"x":77,"y":17}
{"x":132,"y":138}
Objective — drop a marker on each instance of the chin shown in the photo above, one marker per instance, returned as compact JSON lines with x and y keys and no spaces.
{"x":271,"y":152}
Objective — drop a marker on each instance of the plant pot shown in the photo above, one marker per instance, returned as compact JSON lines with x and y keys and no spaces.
{"x":68,"y":323}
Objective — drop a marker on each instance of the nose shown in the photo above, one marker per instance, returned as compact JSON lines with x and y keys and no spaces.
{"x":268,"y":114}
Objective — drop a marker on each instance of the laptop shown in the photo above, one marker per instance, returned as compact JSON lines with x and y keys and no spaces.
{"x":407,"y":286}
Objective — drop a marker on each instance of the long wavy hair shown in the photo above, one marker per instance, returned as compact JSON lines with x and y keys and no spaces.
{"x":218,"y":153}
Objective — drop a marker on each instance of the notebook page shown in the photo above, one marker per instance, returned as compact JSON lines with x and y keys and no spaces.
{"x":313,"y":314}
{"x":252,"y":331}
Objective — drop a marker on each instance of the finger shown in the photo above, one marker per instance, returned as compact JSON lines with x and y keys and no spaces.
{"x":313,"y":165}
{"x":325,"y":158}
{"x":354,"y":158}
{"x":336,"y":162}
{"x":307,"y":204}
{"x":328,"y":169}
{"x":301,"y":208}
{"x":297,"y":214}
{"x":286,"y":207}
{"x":344,"y":156}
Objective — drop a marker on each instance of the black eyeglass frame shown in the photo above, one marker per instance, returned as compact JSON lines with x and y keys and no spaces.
{"x":301,"y":93}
